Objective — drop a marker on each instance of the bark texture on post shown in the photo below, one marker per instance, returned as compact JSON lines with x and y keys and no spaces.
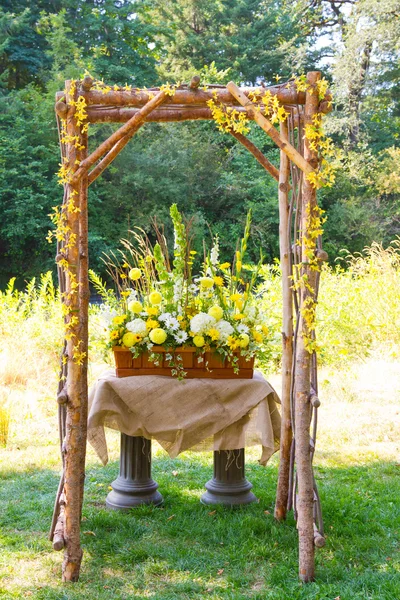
{"x":76,"y":299}
{"x":287,"y":333}
{"x":305,"y":499}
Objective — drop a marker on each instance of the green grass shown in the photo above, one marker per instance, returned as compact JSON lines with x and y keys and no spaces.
{"x":181,"y":550}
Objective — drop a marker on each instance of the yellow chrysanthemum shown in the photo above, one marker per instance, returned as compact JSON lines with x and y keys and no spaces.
{"x":199,"y":341}
{"x":265,"y":329}
{"x":119,"y":320}
{"x":218,"y":280}
{"x":244,"y":340}
{"x":152,"y":311}
{"x":158,"y":335}
{"x":130,"y":339}
{"x":155,"y":298}
{"x":216,"y":312}
{"x":135,"y":307}
{"x":239,"y":316}
{"x":214,"y":334}
{"x":235,"y":297}
{"x":135,"y":274}
{"x":224,"y":266}
{"x":206,"y":282}
{"x":152,"y":324}
{"x":114,"y":335}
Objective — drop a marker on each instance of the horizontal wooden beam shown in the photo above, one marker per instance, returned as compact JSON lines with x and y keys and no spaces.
{"x":165,"y":114}
{"x":189,"y":97}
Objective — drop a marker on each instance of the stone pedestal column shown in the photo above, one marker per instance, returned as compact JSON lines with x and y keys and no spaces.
{"x":229,"y":485}
{"x":134,"y":485}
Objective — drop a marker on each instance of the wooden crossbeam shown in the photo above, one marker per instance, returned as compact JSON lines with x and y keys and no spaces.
{"x":256,"y":152}
{"x":269,"y":129}
{"x":165,"y":114}
{"x":129,"y":128}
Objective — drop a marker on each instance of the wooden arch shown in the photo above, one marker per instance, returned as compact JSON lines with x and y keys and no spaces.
{"x":300,"y":252}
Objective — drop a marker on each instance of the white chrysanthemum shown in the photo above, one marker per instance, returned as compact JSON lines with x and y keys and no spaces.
{"x":225,"y":329}
{"x":201,"y":323}
{"x":137,"y":326}
{"x":181,"y":337}
{"x":107,"y":314}
{"x":242,"y":328}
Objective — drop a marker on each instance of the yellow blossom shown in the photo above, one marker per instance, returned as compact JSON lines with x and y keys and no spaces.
{"x":119,"y":320}
{"x":265,"y":329}
{"x":130,"y":339}
{"x":206,"y":282}
{"x":235,"y":297}
{"x":152,"y":310}
{"x":214,"y":334}
{"x":135,"y":307}
{"x":224,"y":266}
{"x":258,"y":338}
{"x":218,"y":280}
{"x":135,"y":274}
{"x":216,"y":312}
{"x":125,"y":293}
{"x":232,"y":342}
{"x":239,"y":266}
{"x":239,"y":316}
{"x":198,"y":341}
{"x":244,"y":340}
{"x":152,"y":324}
{"x":155,"y":298}
{"x":114,"y":335}
{"x":158,"y":335}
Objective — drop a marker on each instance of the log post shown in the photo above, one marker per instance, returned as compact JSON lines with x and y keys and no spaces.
{"x":287,"y":333}
{"x":305,"y":498}
{"x":76,"y":301}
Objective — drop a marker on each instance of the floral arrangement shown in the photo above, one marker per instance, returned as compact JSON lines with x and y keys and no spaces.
{"x":163,"y":304}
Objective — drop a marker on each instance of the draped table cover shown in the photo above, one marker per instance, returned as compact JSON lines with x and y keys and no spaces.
{"x":196,"y":414}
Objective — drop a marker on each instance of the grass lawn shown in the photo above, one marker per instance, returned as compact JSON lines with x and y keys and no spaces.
{"x":186,"y":550}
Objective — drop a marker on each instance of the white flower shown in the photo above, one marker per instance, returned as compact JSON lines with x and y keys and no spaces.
{"x":214,"y":254}
{"x":242,"y":328}
{"x":137,"y":326}
{"x":192,"y":288}
{"x":107,"y":314}
{"x":132,"y":296}
{"x":171,"y":323}
{"x":181,"y":337}
{"x":201,"y":323}
{"x":225,"y":329}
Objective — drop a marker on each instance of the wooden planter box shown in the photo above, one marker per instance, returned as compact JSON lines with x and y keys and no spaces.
{"x":217,"y":366}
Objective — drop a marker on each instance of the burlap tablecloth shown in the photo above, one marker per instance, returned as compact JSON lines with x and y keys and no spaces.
{"x":200,"y":414}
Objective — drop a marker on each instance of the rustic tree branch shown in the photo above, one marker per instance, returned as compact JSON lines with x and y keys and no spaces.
{"x":287,"y":333}
{"x":305,"y":499}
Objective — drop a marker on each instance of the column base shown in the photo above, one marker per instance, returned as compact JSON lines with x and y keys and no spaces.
{"x":124,"y":496}
{"x":229,"y":485}
{"x":134,"y":485}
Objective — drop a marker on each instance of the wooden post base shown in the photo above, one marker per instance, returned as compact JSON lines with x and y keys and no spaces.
{"x":229,"y":485}
{"x":134,"y":485}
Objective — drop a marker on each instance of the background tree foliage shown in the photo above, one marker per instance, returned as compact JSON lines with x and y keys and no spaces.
{"x":143,"y":42}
